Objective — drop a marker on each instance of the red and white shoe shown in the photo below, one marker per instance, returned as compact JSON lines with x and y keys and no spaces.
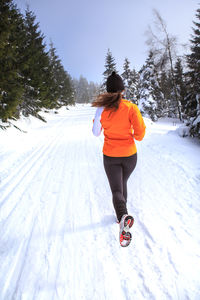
{"x":124,"y":226}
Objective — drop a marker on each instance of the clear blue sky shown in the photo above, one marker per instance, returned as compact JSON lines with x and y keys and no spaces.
{"x":83,"y":30}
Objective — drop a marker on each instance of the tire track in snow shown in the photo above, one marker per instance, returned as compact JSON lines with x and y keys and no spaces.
{"x":19,"y":264}
{"x":23,"y":169}
{"x":21,"y":164}
{"x":61,"y":212}
{"x":57,"y":205}
{"x":59,"y":221}
{"x":80,"y":240}
{"x":51,"y":150}
{"x":26,"y":177}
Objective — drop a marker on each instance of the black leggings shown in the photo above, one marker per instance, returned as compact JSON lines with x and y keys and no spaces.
{"x":118,"y":170}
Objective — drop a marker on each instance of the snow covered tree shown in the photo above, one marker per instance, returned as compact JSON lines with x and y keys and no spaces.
{"x":29,"y":78}
{"x":164,"y":47}
{"x":180,"y":82}
{"x":168,"y":107}
{"x":193,"y":75}
{"x":110,"y":66}
{"x":55,"y":66}
{"x":67,"y":93}
{"x":134,"y":87}
{"x":126,"y":77}
{"x":150,"y":92}
{"x":61,"y":89}
{"x":81,"y":90}
{"x":93,"y":90}
{"x":130,"y":79}
{"x":157,"y":85}
{"x":11,"y":45}
{"x":84,"y":91}
{"x":36,"y":71}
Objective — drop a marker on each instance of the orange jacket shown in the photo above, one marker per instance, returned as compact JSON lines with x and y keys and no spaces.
{"x":121,"y":127}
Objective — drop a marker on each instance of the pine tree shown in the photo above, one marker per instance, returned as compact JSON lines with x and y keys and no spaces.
{"x":110,"y":66}
{"x":151,"y":95}
{"x":164,"y":47}
{"x":11,"y":43}
{"x":67,"y":96}
{"x":93,"y":90}
{"x":180,"y":84}
{"x":126,"y":76}
{"x":61,"y":89}
{"x":134,"y":87}
{"x":29,"y":78}
{"x":54,"y":65}
{"x":166,"y":103}
{"x":130,"y":79}
{"x":36,"y":73}
{"x":85,"y":92}
{"x":81,"y":90}
{"x":193,"y":97}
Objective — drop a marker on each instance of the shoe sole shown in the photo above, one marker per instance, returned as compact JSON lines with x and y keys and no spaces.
{"x":128,"y":223}
{"x":125,"y":239}
{"x":126,"y":235}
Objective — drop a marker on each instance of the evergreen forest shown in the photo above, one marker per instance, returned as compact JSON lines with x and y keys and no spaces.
{"x":32,"y":77}
{"x":168,"y":84}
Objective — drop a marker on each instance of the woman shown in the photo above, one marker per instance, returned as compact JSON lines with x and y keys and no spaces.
{"x":122,"y":122}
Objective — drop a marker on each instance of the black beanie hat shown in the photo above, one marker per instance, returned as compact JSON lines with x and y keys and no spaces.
{"x":114,"y":83}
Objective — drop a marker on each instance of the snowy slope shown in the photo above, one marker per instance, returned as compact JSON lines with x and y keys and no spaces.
{"x":58,"y":234}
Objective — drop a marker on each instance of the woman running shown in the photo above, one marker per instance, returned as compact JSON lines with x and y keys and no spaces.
{"x":122,"y":122}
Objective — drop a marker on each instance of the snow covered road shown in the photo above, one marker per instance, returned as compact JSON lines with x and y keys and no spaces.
{"x":58,"y":233}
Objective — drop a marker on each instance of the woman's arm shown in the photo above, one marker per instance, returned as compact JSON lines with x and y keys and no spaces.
{"x":96,"y":129}
{"x":137,"y":122}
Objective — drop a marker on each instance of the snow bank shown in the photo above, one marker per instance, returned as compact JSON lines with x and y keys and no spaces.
{"x":183,"y":131}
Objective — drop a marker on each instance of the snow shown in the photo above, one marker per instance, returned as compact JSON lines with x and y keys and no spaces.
{"x":58,"y":232}
{"x":183,"y":131}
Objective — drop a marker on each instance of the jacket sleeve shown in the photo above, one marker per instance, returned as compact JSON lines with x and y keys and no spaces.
{"x":96,"y":129}
{"x":137,"y":123}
